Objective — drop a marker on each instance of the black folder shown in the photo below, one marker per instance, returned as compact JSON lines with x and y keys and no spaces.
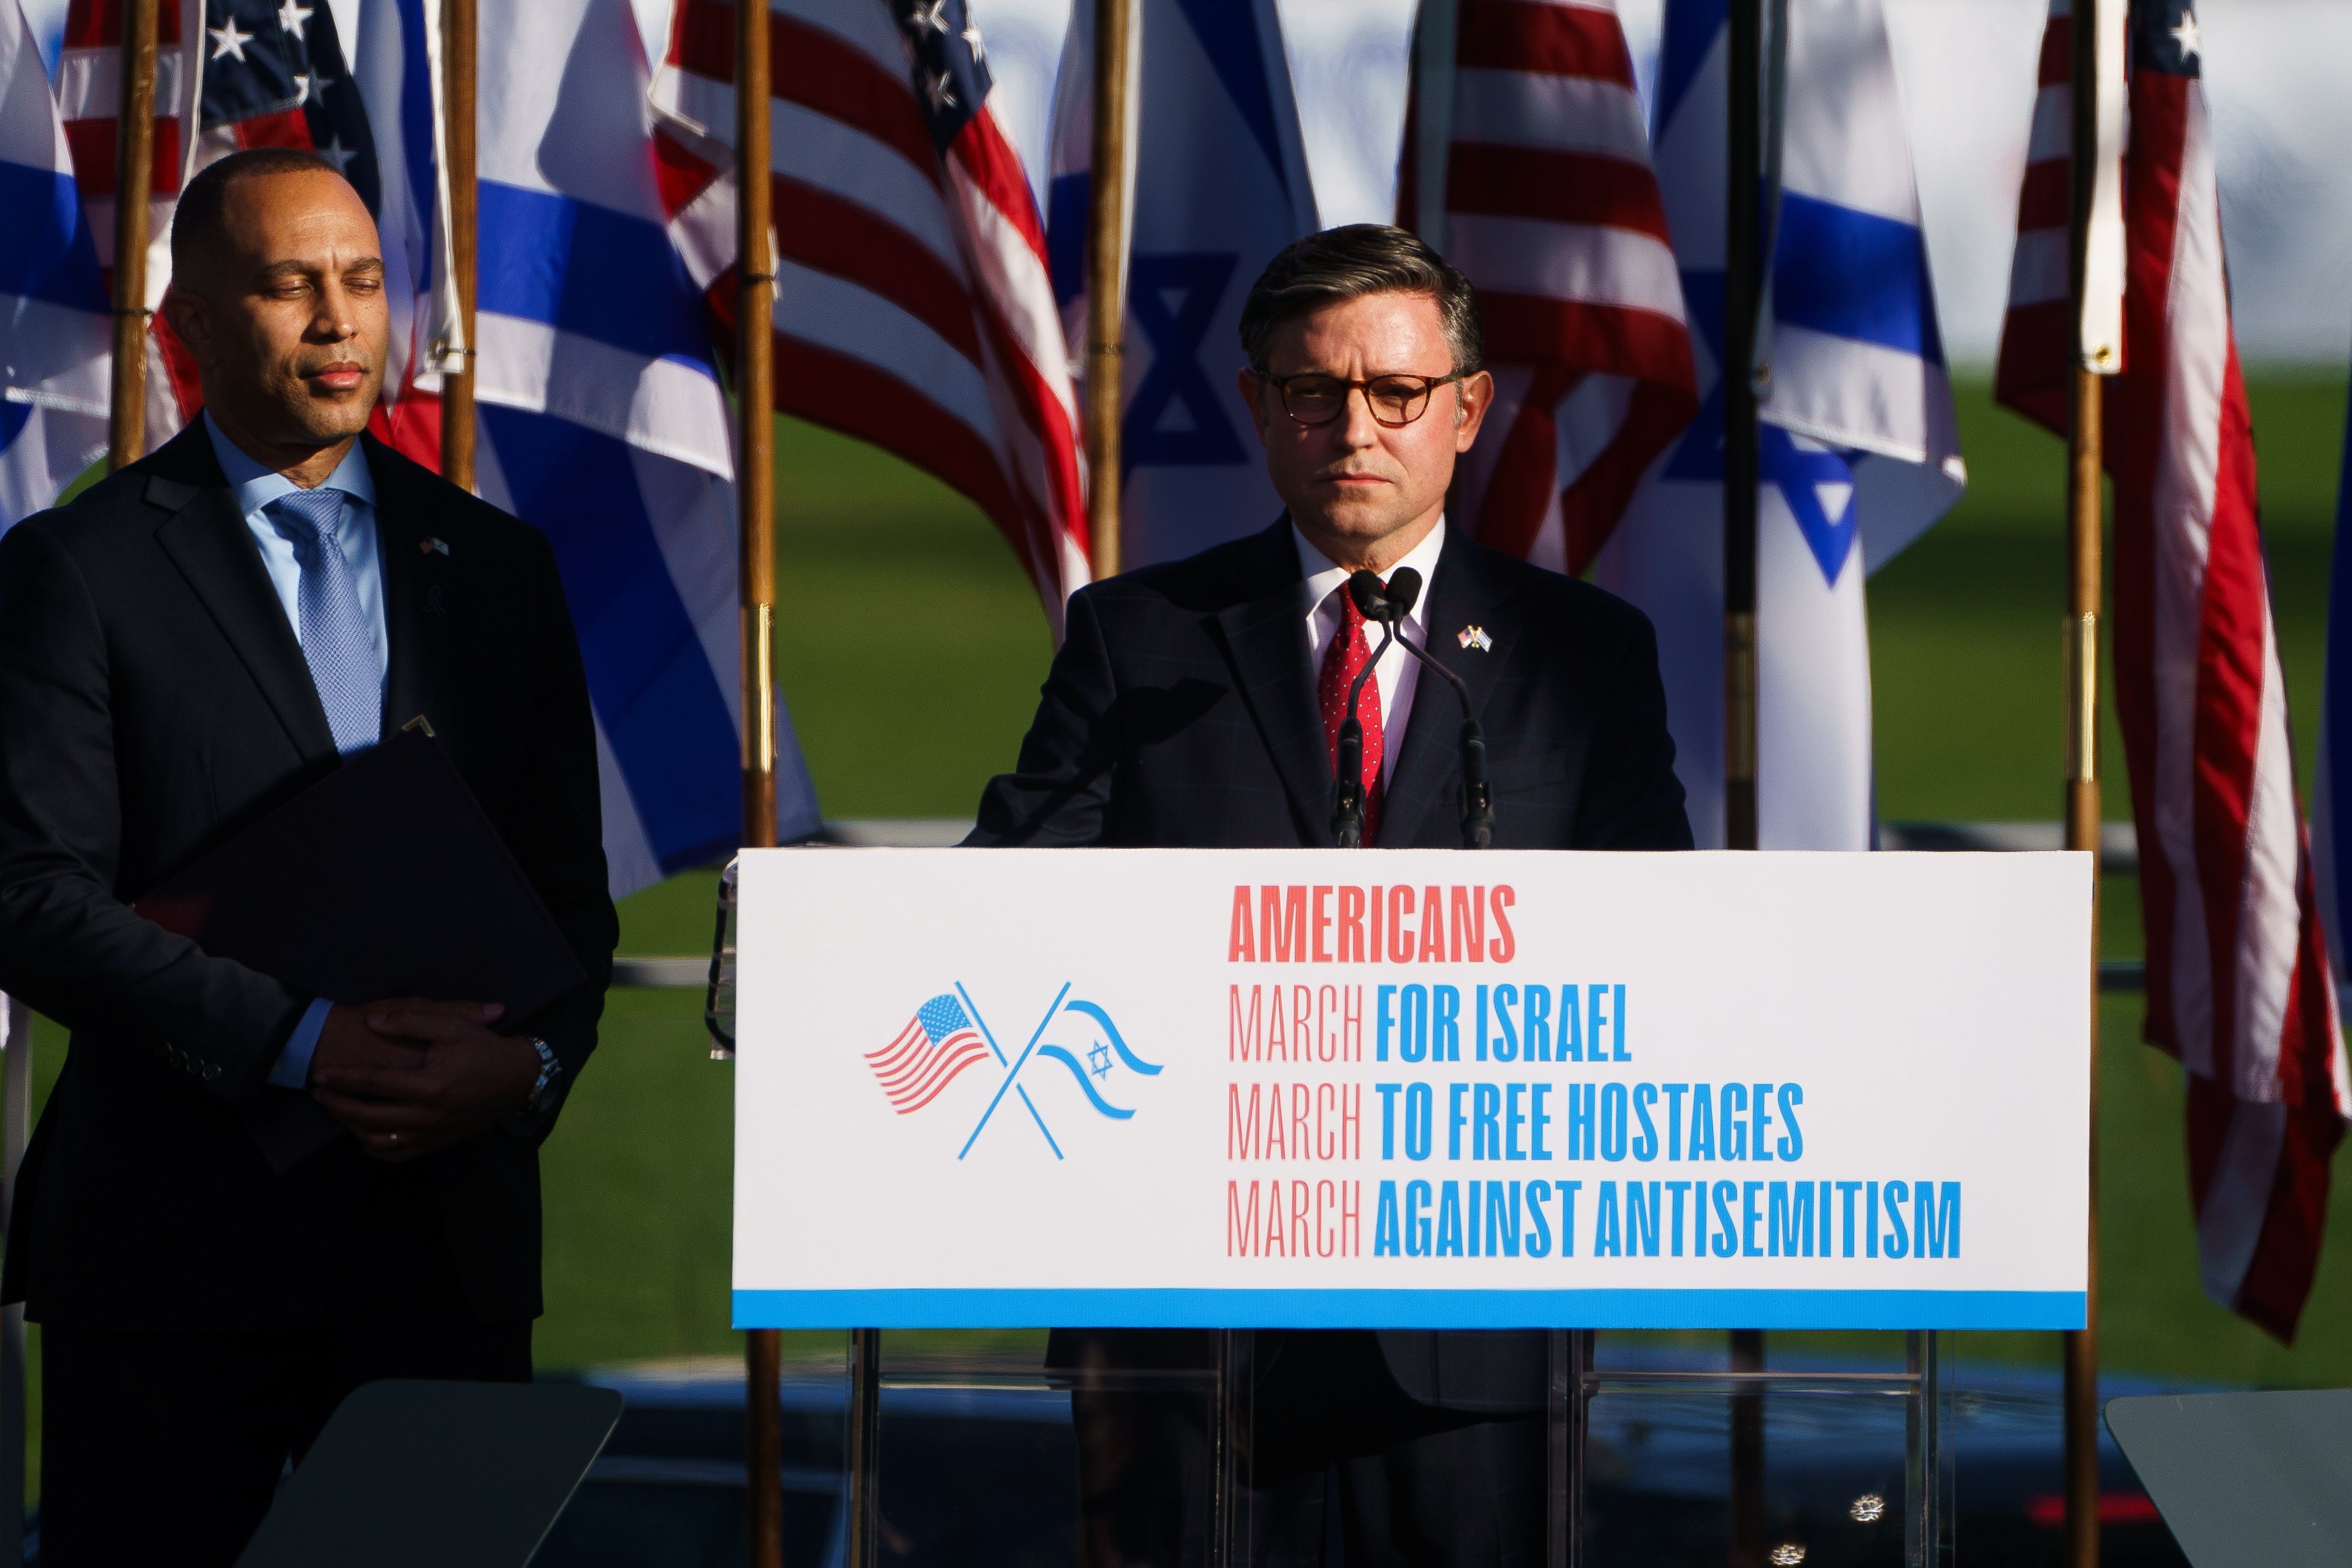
{"x":455,"y":1475}
{"x":383,"y":879}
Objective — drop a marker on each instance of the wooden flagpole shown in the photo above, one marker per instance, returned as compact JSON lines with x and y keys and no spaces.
{"x":2084,"y":573}
{"x":134,"y":183}
{"x":1107,"y":279}
{"x":755,"y":495}
{"x":1743,"y":276}
{"x":460,"y":38}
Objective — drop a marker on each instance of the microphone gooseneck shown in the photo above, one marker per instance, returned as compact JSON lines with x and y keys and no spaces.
{"x":1389,"y":603}
{"x":1477,"y":798}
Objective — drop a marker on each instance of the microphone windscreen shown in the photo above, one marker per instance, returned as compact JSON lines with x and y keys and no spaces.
{"x":1404,"y":587}
{"x":1371,"y":599}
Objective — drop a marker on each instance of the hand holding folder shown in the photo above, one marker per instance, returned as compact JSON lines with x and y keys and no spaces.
{"x":385,"y":880}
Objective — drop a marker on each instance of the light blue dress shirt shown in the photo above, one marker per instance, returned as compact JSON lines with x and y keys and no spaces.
{"x":355,"y":535}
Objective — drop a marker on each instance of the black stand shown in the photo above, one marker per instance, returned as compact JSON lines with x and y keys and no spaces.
{"x":459,"y":1475}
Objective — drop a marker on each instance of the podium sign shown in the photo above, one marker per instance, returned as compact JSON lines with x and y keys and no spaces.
{"x":1412,"y":1088}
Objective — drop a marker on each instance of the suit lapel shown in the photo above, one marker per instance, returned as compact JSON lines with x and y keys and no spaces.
{"x":207,"y":540}
{"x":419,"y":600}
{"x":1428,"y":775}
{"x":1264,"y":634}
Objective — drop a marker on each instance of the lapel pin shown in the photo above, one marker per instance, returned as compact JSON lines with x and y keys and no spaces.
{"x":433,"y":546}
{"x":1475,"y":637}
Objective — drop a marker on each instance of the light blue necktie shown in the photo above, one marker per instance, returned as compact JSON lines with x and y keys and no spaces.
{"x":335,"y":639}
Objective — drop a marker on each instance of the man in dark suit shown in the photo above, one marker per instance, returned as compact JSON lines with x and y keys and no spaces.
{"x":192,"y":642}
{"x":1199,"y":704}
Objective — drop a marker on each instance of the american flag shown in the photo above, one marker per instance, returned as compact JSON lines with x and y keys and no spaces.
{"x":2037,"y":343}
{"x":2237,"y":984}
{"x":938,"y":1043}
{"x":89,"y":98}
{"x":1528,"y":168}
{"x":914,"y":307}
{"x":230,"y":74}
{"x":274,"y":77}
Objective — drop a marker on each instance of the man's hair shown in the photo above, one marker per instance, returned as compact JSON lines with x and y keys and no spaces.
{"x":200,"y":223}
{"x":1348,"y":263}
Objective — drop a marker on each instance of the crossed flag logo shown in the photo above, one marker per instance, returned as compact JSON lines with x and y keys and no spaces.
{"x":946,"y":1036}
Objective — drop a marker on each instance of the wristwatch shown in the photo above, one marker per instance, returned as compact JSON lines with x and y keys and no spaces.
{"x":551,"y":1068}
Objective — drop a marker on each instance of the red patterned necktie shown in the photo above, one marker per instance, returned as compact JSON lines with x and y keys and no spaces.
{"x":1343,"y":661}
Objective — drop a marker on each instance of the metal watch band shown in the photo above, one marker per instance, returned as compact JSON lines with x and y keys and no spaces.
{"x":549,"y":1067}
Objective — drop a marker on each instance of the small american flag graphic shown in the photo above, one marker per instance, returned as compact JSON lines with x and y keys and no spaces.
{"x":938,"y":1043}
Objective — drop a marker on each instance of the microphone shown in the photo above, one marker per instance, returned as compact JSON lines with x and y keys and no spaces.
{"x":1347,"y":802}
{"x":1477,"y":798}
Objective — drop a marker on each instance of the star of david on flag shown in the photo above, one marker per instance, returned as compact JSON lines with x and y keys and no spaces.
{"x":1815,"y":481}
{"x":1858,"y":451}
{"x":1221,"y":184}
{"x":1109,"y":1044}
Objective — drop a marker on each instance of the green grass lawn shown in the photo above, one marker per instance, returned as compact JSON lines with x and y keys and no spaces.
{"x":910,"y":651}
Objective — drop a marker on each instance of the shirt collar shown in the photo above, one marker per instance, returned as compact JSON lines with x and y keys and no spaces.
{"x":1322,"y":576}
{"x":256,"y":486}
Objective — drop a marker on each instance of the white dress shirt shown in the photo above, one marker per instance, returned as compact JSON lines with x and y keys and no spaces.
{"x":1398,"y":673}
{"x":355,"y":536}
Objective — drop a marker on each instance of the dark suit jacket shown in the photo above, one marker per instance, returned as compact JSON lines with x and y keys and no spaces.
{"x":153,"y":700}
{"x":1181,"y":712}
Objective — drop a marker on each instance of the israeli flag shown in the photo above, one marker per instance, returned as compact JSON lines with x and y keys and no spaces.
{"x":1859,"y":451}
{"x":602,"y":421}
{"x":56,"y":340}
{"x":1220,"y":185}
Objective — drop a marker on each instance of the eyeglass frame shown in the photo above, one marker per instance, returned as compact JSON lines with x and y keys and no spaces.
{"x":1281,"y":385}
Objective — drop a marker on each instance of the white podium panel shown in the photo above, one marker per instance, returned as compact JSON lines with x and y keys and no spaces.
{"x":1412,"y":1088}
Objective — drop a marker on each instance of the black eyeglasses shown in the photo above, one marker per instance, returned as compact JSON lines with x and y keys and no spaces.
{"x":1395,"y":401}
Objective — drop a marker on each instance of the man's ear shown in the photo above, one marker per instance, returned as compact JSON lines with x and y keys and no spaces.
{"x":185,"y":311}
{"x":1253,"y":391}
{"x":1474,"y":395}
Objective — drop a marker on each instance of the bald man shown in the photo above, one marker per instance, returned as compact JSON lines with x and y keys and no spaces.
{"x":192,"y":642}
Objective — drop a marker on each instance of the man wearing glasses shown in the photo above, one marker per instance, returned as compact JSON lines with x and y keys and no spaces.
{"x":1200,"y":703}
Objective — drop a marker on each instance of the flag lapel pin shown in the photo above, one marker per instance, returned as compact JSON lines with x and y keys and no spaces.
{"x":433,"y":546}
{"x":1475,"y":637}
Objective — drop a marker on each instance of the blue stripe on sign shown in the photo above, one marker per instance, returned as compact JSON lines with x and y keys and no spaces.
{"x":46,"y":251}
{"x":663,"y":712}
{"x":591,"y":270}
{"x":1855,"y":274}
{"x":1411,"y":1309}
